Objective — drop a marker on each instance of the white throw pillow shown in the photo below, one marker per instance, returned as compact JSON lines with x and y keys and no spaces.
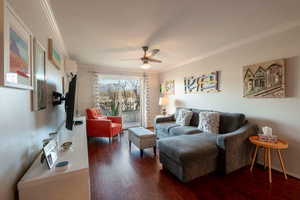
{"x":184,"y":117}
{"x":209,"y":122}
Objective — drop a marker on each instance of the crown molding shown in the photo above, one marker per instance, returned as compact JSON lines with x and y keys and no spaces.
{"x":277,"y":30}
{"x":53,"y":24}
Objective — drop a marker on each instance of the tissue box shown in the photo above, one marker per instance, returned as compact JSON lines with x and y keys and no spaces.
{"x":265,"y":138}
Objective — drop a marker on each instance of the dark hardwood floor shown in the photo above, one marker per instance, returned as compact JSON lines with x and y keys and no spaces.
{"x":117,"y":174}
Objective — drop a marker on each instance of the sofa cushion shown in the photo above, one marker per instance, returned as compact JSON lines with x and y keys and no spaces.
{"x":184,"y":130}
{"x":184,"y":117}
{"x":195,"y":117}
{"x":230,"y":122}
{"x":209,"y":122}
{"x":166,"y":126}
{"x":189,"y":148}
{"x":178,"y":109}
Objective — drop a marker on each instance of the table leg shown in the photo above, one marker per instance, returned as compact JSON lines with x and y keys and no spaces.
{"x":141,"y":152}
{"x":270,"y":165}
{"x":129,"y":145}
{"x":265,"y":158}
{"x":281,"y":163}
{"x":254,"y":157}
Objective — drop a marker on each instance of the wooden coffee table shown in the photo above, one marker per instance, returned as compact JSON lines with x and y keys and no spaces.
{"x":268,"y":146}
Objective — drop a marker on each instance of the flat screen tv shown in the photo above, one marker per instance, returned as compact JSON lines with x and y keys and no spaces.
{"x":70,"y":102}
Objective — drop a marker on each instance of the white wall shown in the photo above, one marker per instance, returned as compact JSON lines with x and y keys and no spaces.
{"x":22,"y":131}
{"x":281,"y":114}
{"x":85,"y":87}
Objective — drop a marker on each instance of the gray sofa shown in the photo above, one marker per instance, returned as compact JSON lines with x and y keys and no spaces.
{"x":189,"y":153}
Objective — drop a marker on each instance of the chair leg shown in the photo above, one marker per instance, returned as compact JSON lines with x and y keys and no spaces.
{"x":141,"y":152}
{"x":129,"y":145}
{"x":154,"y":150}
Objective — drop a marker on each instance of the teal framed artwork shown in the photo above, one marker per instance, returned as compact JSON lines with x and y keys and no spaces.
{"x":54,"y":55}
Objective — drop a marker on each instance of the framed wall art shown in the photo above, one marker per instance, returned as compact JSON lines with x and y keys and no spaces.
{"x":169,"y":87}
{"x":265,"y":80}
{"x":39,"y":93}
{"x":17,"y":69}
{"x":203,"y":83}
{"x":54,"y":55}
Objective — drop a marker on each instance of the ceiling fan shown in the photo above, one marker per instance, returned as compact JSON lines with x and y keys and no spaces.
{"x":148,"y":57}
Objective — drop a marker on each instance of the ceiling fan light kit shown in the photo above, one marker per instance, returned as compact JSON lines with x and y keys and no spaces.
{"x":148,"y":57}
{"x":146,"y":66}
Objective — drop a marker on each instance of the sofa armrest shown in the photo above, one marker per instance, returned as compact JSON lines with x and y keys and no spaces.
{"x":235,"y":147}
{"x":161,"y":119}
{"x":115,"y":119}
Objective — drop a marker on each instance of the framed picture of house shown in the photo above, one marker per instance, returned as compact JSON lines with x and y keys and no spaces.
{"x":265,"y":80}
{"x":17,"y":69}
{"x":39,"y":93}
{"x":54,"y":55}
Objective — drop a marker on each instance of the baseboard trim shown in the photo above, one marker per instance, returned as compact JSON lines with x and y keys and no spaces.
{"x":279,"y":170}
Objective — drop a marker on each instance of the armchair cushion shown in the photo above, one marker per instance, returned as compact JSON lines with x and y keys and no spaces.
{"x":115,"y":119}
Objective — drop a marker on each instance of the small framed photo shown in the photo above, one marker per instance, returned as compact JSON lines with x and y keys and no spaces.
{"x":50,"y":152}
{"x":39,"y":93}
{"x":17,"y":69}
{"x":54,"y":55}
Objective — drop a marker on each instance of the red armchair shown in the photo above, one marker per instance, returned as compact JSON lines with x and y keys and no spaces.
{"x":98,"y":125}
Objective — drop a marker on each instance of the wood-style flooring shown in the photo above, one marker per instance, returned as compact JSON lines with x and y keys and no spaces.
{"x":117,"y":174}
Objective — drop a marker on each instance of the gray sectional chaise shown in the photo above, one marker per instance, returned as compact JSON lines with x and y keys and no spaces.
{"x":189,"y":153}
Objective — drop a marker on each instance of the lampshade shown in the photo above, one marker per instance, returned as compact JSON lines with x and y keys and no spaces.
{"x":163,"y":101}
{"x":146,"y":66}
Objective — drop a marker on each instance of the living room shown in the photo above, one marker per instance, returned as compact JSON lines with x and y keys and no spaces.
{"x":149,"y":99}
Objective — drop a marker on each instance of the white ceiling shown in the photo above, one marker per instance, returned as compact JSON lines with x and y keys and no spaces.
{"x":107,"y":32}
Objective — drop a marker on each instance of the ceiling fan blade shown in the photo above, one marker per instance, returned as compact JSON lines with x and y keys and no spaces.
{"x":154,"y":60}
{"x":130,"y":59}
{"x":153,"y":52}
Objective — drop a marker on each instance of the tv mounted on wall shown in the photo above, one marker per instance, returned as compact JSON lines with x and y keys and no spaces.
{"x":69,"y":102}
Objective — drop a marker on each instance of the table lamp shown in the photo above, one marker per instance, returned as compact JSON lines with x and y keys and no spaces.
{"x":163,"y":102}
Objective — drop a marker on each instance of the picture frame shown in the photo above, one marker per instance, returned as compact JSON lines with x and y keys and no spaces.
{"x":54,"y":55}
{"x":205,"y":83}
{"x":16,"y":71}
{"x":39,"y":93}
{"x":169,"y":87}
{"x":50,"y":153}
{"x":265,"y":80}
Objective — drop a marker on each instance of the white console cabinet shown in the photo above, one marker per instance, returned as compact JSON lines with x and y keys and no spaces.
{"x":72,"y":184}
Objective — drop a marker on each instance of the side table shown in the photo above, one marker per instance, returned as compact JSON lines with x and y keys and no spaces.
{"x":268,"y":146}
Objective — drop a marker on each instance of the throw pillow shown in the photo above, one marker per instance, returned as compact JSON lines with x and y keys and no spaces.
{"x":209,"y":122}
{"x":184,"y":117}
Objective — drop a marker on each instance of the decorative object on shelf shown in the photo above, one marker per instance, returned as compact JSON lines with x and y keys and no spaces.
{"x":265,"y":80}
{"x":169,"y":87}
{"x":66,"y":146}
{"x":62,"y":166}
{"x":268,"y":147}
{"x":39,"y":93}
{"x":53,"y":54}
{"x":203,"y":83}
{"x":163,"y":102}
{"x":50,"y":153}
{"x":17,"y":68}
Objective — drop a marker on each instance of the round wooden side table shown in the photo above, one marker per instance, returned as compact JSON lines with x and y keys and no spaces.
{"x":268,"y":146}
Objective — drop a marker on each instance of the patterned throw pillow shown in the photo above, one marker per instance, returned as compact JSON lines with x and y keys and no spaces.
{"x":209,"y":122}
{"x":184,"y":117}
